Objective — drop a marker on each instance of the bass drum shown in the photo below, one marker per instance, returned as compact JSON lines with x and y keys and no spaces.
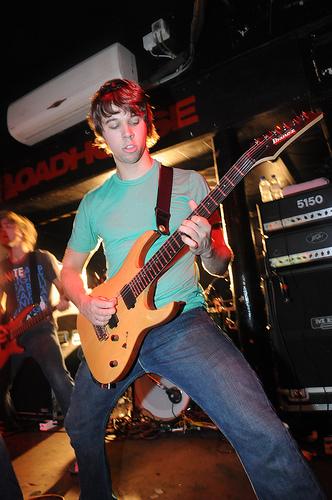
{"x":158,"y":398}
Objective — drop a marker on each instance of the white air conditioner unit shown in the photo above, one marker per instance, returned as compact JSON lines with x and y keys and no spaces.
{"x":64,"y":101}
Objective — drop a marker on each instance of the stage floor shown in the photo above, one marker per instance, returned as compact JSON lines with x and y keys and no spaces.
{"x":147,"y":463}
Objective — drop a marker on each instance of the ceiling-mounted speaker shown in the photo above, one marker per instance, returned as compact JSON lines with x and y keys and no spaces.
{"x":64,"y":101}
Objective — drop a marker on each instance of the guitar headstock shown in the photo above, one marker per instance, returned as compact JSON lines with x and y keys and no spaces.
{"x":270,"y":145}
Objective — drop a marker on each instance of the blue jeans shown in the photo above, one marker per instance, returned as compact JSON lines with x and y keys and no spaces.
{"x":195,"y":355}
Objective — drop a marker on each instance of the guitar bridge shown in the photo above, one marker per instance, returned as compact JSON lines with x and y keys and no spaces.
{"x":101,"y":332}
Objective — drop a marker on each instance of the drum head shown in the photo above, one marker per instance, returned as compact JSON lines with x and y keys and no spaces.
{"x":163,"y":403}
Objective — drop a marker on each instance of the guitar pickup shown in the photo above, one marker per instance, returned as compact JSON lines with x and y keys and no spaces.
{"x":113,"y":321}
{"x":128,"y":297}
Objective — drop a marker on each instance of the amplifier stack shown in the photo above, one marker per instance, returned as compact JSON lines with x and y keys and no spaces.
{"x":297,"y":241}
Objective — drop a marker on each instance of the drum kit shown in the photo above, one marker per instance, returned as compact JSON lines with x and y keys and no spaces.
{"x":152,"y":404}
{"x":153,"y":397}
{"x":157,"y":397}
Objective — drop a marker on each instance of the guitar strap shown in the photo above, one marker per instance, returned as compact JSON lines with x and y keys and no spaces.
{"x":164,"y":199}
{"x":34,"y":278}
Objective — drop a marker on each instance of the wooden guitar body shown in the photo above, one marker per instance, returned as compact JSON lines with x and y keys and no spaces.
{"x":110,"y":359}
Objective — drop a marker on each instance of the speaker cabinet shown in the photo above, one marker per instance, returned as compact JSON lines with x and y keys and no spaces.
{"x":31,"y":393}
{"x":300,"y":306}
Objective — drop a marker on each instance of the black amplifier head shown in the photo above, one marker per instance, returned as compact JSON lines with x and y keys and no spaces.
{"x":299,"y":209}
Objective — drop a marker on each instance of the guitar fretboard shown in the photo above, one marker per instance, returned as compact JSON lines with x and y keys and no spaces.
{"x":29,"y":323}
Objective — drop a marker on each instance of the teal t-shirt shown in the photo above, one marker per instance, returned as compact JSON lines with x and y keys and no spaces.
{"x":119,"y":211}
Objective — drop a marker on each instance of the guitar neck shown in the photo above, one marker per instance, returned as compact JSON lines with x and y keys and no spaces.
{"x":34,"y":320}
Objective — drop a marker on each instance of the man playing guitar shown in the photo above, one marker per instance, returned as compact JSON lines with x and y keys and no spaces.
{"x":176,"y":337}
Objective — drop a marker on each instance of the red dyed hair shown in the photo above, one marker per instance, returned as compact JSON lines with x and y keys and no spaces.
{"x":127,"y":95}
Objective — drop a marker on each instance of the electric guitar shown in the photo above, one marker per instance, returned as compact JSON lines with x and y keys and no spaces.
{"x":110,"y":350}
{"x":15,"y":327}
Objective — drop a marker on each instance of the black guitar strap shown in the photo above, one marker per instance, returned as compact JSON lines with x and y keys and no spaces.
{"x":34,"y":278}
{"x":164,"y":199}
